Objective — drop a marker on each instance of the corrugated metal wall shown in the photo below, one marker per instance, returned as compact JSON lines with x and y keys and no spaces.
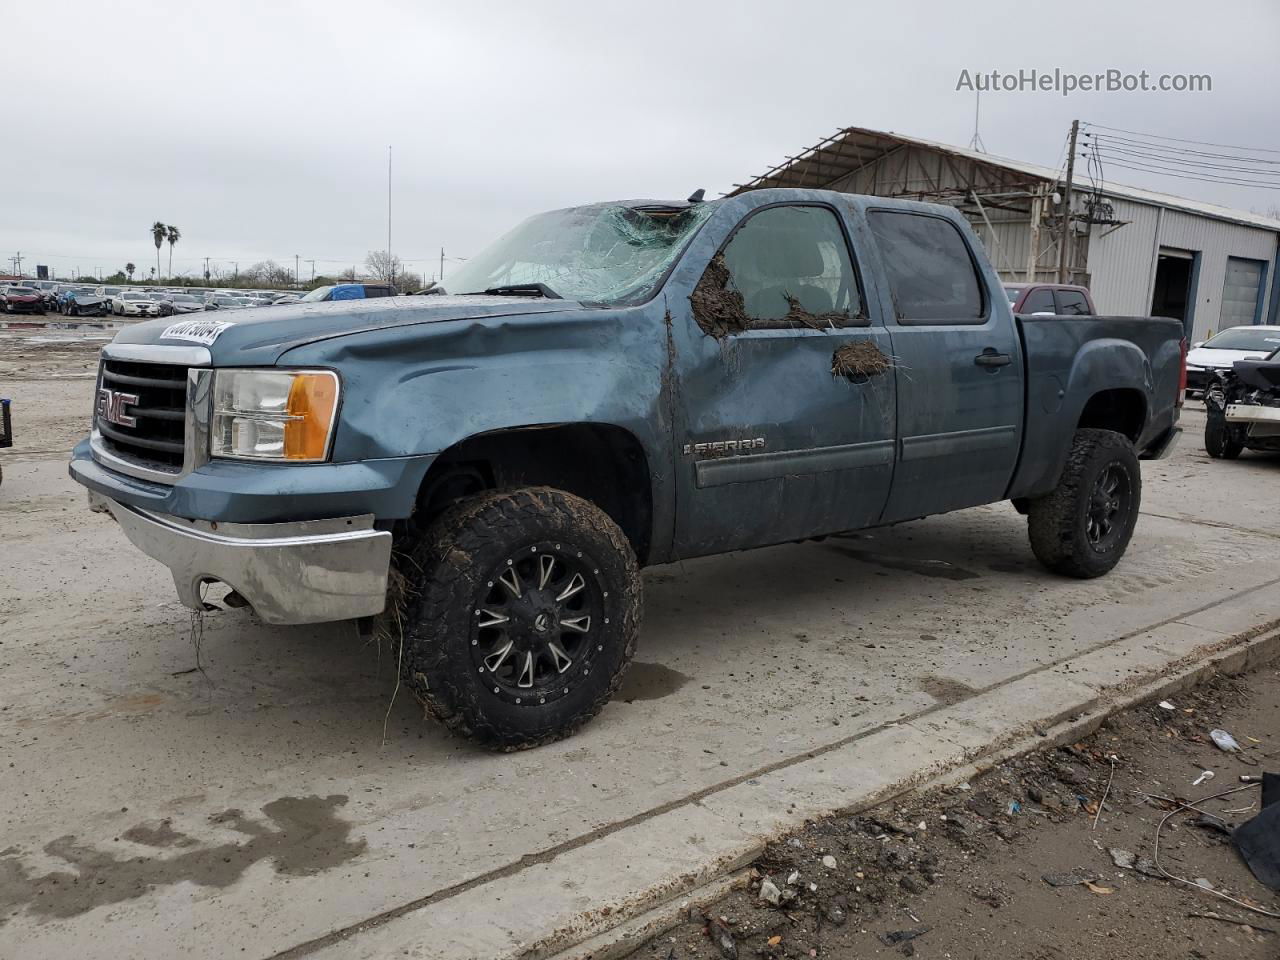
{"x":1122,"y":261}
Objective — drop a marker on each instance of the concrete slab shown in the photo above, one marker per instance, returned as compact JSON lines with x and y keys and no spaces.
{"x":285,"y":792}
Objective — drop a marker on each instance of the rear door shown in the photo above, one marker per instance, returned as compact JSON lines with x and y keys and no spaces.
{"x":784,"y":419}
{"x":959,"y":362}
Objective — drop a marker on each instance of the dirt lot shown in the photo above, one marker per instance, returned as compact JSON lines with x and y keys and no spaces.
{"x":964,"y":872}
{"x":285,"y":799}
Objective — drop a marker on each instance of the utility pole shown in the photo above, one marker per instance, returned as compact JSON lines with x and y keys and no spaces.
{"x":442,"y":265}
{"x":313,"y":270}
{"x":296,"y":262}
{"x":1064,"y":240}
{"x":391,"y":264}
{"x":206,"y":269}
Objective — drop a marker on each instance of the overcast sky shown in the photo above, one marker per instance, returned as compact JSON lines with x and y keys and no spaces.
{"x":261,"y":128}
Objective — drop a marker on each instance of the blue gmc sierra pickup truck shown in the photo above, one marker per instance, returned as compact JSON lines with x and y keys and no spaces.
{"x":606,"y":387}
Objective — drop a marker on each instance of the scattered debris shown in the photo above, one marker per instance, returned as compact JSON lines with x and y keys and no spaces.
{"x":1205,"y":776}
{"x":1209,"y":822}
{"x":895,"y":937}
{"x":829,"y":862}
{"x":1098,"y":889}
{"x":769,"y":892}
{"x":1166,"y":705}
{"x":1224,"y":741}
{"x":1123,"y":858}
{"x":722,"y":937}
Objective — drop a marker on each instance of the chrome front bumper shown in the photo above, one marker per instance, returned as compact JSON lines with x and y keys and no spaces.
{"x":308,"y":571}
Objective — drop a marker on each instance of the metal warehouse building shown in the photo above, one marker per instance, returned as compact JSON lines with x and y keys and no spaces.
{"x":1139,"y":252}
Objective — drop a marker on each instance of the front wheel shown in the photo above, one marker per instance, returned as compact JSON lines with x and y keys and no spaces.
{"x":1220,"y":440}
{"x":520,"y":614}
{"x":1083,"y":527}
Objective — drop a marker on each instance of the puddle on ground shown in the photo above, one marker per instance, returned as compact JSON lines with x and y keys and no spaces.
{"x":299,"y":836}
{"x":649,"y":681}
{"x":946,"y":691}
{"x":940,"y":569}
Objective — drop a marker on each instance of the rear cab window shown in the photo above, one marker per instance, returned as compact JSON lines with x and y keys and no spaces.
{"x":1073,"y":303}
{"x":932,"y":274}
{"x":1040,"y":300}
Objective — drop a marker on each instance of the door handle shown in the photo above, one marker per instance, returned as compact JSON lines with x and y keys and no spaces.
{"x":990,"y":359}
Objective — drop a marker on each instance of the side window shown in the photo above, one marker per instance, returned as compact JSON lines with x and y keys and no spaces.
{"x":1072,"y":303}
{"x":783,"y":266}
{"x":931,"y":273}
{"x":373,"y":291}
{"x":1039,"y":301}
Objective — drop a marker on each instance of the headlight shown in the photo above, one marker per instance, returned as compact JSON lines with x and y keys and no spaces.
{"x":273,"y":414}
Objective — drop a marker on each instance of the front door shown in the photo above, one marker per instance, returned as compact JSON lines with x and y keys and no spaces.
{"x":960,"y":368}
{"x":784,"y":387}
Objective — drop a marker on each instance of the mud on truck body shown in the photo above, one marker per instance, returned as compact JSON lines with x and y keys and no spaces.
{"x":608,"y":387}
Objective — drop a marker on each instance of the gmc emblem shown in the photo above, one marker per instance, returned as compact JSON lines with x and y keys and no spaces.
{"x":111,"y":404}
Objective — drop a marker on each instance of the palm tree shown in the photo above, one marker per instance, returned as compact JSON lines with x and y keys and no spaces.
{"x":129,"y":268}
{"x":159,"y":232}
{"x":173,"y":235}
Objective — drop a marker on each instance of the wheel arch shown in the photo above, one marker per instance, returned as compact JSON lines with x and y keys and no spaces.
{"x":603,"y":463}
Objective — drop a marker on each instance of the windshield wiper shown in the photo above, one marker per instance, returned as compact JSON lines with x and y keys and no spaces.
{"x":524,"y":290}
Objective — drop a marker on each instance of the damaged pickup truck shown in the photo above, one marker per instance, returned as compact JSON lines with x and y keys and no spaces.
{"x":611,"y":386}
{"x":1243,"y":408}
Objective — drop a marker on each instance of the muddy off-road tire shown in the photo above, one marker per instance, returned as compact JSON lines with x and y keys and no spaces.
{"x":521,"y":611}
{"x":1220,"y":441}
{"x":1082,"y":528}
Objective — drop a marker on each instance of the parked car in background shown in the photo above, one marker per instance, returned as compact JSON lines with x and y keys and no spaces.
{"x":350,"y":291}
{"x":1219,"y":353}
{"x":1243,"y":408}
{"x":80,"y":301}
{"x":22,"y":299}
{"x":108,"y":295}
{"x":1056,"y":299}
{"x":223,"y":301}
{"x":133,"y":303}
{"x":48,"y":292}
{"x":285,"y":298}
{"x":184,"y":303}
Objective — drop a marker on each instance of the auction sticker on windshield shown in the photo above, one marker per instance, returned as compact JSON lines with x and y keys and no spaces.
{"x":197,"y":331}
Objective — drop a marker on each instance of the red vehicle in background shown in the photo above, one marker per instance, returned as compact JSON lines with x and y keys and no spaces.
{"x":1058,"y":299}
{"x":18,"y":299}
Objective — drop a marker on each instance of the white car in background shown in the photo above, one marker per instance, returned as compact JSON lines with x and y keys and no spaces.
{"x":132,"y":303}
{"x":1220,"y":352}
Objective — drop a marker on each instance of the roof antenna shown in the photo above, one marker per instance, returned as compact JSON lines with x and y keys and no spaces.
{"x":697,"y":195}
{"x":975,"y":143}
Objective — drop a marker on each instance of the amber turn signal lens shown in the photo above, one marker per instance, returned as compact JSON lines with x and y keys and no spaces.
{"x":313,"y":399}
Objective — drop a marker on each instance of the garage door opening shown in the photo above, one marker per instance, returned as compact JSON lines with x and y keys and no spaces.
{"x":1173,"y":296}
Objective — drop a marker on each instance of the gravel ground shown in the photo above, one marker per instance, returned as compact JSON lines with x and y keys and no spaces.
{"x":965,"y":872}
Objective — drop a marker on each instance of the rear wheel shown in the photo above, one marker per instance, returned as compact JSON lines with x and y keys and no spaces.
{"x":520,"y":615}
{"x":1083,"y":527}
{"x":1220,"y":439}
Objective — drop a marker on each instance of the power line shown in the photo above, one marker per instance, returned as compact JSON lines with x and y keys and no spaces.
{"x":1180,"y":162}
{"x":1202,"y":178}
{"x":1181,"y":151}
{"x":1202,"y":143}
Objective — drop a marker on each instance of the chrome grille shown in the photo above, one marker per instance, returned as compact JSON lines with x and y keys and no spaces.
{"x":156,"y":439}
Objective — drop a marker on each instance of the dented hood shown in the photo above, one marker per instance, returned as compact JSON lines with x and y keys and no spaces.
{"x":258,"y":336}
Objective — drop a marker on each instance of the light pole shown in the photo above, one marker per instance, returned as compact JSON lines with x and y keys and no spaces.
{"x":296,"y":262}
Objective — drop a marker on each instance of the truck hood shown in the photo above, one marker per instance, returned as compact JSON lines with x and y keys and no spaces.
{"x":258,"y":336}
